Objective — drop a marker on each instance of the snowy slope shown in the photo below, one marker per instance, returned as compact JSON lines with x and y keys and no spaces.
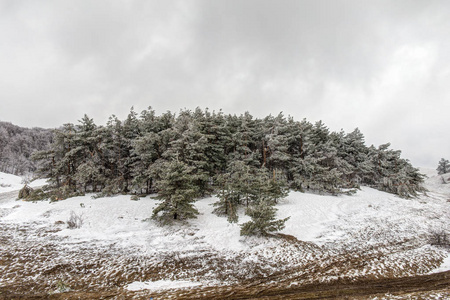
{"x":435,"y":183}
{"x":311,"y":218}
{"x":9,"y":182}
{"x":390,"y":234}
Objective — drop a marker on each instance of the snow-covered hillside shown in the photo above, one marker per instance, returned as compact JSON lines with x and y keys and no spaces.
{"x":9,"y":182}
{"x":437,"y":183}
{"x":371,"y":234}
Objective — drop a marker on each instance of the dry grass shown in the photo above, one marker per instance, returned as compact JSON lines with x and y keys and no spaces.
{"x":36,"y":263}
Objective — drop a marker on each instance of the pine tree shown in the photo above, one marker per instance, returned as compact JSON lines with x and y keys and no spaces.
{"x":117,"y":153}
{"x":89,"y":170}
{"x":253,"y":187}
{"x":88,"y":175}
{"x":177,"y":192}
{"x":263,"y":220}
{"x":46,"y":164}
{"x":214,"y":128}
{"x":319,"y":168}
{"x":147,"y":151}
{"x":277,"y":187}
{"x":234,"y":189}
{"x":443,"y":166}
{"x":67,"y":156}
{"x":232,"y":153}
{"x":295,"y":138}
{"x":229,"y":199}
{"x":189,"y":146}
{"x":130,"y":132}
{"x":275,"y":148}
{"x":246,"y":135}
{"x":393,"y":174}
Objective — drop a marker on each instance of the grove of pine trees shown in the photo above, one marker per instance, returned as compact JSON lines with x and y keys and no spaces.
{"x":247,"y":162}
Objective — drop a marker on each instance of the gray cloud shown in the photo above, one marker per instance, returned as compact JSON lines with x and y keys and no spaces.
{"x":381,"y":66}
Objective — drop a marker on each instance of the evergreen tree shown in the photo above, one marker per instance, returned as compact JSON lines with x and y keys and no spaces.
{"x":295,"y":138}
{"x":244,"y":157}
{"x":67,"y":157}
{"x":277,"y":186}
{"x":354,"y":151}
{"x":117,"y":153}
{"x":177,"y":191}
{"x":229,"y":199}
{"x":276,"y":147}
{"x":88,"y":176}
{"x":147,"y":150}
{"x":130,"y":132}
{"x":246,"y":135}
{"x":393,"y":174}
{"x":88,"y":170}
{"x":189,"y":146}
{"x":46,"y":161}
{"x":319,"y":168}
{"x":234,"y":189}
{"x":443,"y":166}
{"x":263,"y":220}
{"x":246,"y":185}
{"x":218,"y":137}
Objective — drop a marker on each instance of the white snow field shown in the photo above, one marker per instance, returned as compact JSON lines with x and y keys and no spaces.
{"x":10,"y":182}
{"x":369,"y":234}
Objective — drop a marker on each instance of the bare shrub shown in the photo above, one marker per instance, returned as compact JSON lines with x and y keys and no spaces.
{"x":135,"y":198}
{"x":75,"y":220}
{"x":25,"y":192}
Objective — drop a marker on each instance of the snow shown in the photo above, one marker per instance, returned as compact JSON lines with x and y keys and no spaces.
{"x":161,"y":285}
{"x":331,"y":227}
{"x":445,"y":265}
{"x":435,"y":181}
{"x":9,"y":182}
{"x":217,"y":231}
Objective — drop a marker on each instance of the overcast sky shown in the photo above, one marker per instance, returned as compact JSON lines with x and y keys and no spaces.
{"x":382,"y":66}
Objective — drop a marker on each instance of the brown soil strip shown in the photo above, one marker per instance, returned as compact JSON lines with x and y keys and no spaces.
{"x":335,"y":290}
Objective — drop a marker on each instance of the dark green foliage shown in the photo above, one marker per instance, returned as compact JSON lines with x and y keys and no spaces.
{"x":263,"y":220}
{"x":276,"y":187}
{"x":443,"y":166}
{"x":190,"y":146}
{"x":36,"y":195}
{"x":265,"y":191}
{"x":228,"y":203}
{"x":256,"y":189}
{"x":234,"y":189}
{"x":177,"y":192}
{"x":393,"y":174}
{"x":320,"y":168}
{"x":47,"y":193}
{"x":243,"y":184}
{"x":226,"y":154}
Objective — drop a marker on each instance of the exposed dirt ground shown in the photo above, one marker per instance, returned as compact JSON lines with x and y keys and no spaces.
{"x":34,"y":269}
{"x":380,"y":258}
{"x":434,"y":286}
